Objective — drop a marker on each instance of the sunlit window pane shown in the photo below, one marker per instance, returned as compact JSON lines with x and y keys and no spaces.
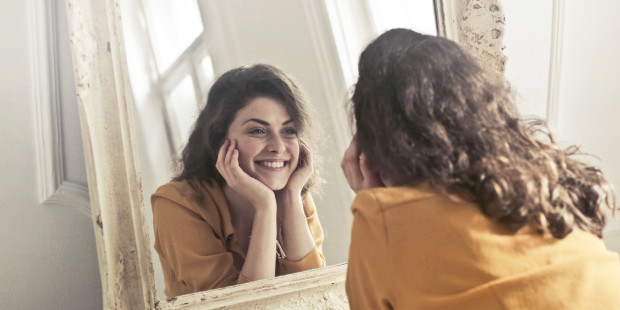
{"x":414,"y":15}
{"x":173,"y":26}
{"x":182,"y":110}
{"x":205,"y":71}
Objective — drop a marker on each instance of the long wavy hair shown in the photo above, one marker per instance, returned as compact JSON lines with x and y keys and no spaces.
{"x":231,"y":92}
{"x":427,"y":112}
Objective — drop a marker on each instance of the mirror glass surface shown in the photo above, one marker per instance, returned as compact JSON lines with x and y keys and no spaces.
{"x":175,"y":50}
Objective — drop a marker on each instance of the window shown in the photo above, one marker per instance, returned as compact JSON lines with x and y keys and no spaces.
{"x":169,"y":64}
{"x":355,"y":23}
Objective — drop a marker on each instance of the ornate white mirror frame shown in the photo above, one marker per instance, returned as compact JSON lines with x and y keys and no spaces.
{"x":123,"y":245}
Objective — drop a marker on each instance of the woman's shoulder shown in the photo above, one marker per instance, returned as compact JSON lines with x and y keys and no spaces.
{"x":386,"y":197}
{"x":420,"y":202}
{"x":204,"y":200}
{"x":188,"y":192}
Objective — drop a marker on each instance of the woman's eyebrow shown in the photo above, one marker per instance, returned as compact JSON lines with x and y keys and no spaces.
{"x":264,"y":123}
{"x":260,"y":121}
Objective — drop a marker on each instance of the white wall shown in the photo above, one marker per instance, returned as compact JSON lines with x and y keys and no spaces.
{"x":528,"y":46}
{"x":47,"y":253}
{"x":590,"y":80}
{"x":588,"y":72}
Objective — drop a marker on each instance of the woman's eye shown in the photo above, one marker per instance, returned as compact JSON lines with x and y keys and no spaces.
{"x":257,"y":131}
{"x":290,"y":132}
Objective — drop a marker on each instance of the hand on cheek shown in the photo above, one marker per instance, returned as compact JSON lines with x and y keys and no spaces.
{"x":355,"y":167}
{"x":302,"y":174}
{"x":228,"y":166}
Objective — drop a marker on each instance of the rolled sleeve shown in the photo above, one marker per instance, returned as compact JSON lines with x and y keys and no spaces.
{"x":313,"y":260}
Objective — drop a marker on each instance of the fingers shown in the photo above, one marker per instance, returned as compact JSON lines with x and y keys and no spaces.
{"x":228,"y":160}
{"x":229,"y":152}
{"x":351,"y":166}
{"x":371,"y":177}
{"x":357,"y":170}
{"x":234,"y":159}
{"x":365,"y":171}
{"x":302,"y":173}
{"x":305,"y":156}
{"x":221,"y":155}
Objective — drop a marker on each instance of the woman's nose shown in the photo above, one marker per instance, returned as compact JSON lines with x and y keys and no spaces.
{"x":275,"y":144}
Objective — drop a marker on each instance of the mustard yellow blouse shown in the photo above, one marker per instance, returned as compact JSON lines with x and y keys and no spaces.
{"x":414,"y":249}
{"x":195,"y":239}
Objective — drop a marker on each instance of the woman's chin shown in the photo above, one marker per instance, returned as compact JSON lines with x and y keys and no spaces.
{"x":274,"y":185}
{"x":277,"y":187}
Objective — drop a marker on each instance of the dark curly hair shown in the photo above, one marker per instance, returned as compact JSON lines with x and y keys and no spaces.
{"x":231,"y":92}
{"x":427,"y":112}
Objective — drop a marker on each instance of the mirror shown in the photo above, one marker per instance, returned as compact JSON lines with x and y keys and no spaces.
{"x":176,"y":49}
{"x":115,"y":185}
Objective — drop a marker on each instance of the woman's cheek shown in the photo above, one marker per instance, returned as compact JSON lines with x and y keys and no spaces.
{"x":244,"y":156}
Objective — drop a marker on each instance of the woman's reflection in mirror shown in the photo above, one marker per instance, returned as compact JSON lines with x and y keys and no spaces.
{"x":460,"y":203}
{"x":240,"y":208}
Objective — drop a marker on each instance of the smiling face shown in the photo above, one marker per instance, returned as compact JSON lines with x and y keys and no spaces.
{"x":267,"y":141}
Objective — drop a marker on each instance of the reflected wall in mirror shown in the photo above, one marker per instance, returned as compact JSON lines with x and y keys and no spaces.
{"x":175,"y":50}
{"x":106,"y":106}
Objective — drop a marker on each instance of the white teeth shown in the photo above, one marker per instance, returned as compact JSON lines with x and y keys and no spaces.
{"x":272,"y":164}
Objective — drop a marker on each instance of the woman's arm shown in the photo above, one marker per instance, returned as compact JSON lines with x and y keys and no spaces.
{"x":261,"y":255}
{"x":296,"y":235}
{"x":259,"y":261}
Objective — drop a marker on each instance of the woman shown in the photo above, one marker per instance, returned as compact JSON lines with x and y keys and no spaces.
{"x":240,"y":210}
{"x":460,"y":204}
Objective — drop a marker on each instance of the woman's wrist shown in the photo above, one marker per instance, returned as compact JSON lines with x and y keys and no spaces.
{"x":288,"y":192}
{"x":264,"y":201}
{"x":266,"y":213}
{"x":287,"y":198}
{"x":297,"y":238}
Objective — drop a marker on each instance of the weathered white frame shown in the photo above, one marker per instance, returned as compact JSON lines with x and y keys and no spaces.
{"x":123,"y":246}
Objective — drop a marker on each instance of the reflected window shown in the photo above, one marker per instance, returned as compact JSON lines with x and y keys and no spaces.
{"x":206,"y":73}
{"x":415,"y":15}
{"x":173,"y":26}
{"x":355,"y":23}
{"x":182,"y":110}
{"x":169,"y":64}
